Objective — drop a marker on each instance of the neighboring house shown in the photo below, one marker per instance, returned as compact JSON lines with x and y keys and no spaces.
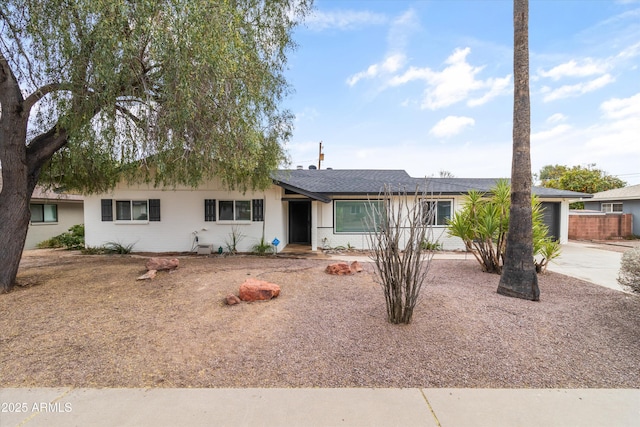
{"x":619,"y":201}
{"x":317,"y":208}
{"x":52,"y":214}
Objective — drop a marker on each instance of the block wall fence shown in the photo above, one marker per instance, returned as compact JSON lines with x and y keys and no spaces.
{"x":600,"y":227}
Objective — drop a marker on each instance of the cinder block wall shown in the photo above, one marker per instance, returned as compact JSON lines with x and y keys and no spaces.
{"x":600,"y":227}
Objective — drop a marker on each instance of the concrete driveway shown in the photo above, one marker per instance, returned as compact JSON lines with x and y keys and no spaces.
{"x":592,"y":262}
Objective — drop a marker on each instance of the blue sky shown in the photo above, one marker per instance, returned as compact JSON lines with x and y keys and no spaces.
{"x":427,"y":86}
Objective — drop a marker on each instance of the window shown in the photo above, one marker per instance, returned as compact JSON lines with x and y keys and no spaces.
{"x":234,"y":210}
{"x":611,"y":207}
{"x":43,"y":213}
{"x":351,"y":216}
{"x":131,"y":210}
{"x":436,"y":212}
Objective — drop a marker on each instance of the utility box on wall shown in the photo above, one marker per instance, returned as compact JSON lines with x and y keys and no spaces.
{"x":205,"y":249}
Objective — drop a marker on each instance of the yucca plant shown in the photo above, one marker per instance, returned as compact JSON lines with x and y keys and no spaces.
{"x":483,"y":223}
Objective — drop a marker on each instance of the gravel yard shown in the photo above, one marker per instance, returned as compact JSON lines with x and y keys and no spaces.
{"x":84,"y":321}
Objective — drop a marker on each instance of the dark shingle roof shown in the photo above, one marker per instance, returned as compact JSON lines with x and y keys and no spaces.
{"x":321,"y":184}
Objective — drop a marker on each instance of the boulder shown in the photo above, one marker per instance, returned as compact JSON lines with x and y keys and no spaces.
{"x":339,"y":269}
{"x":232,"y":299}
{"x":356,"y":267}
{"x":159,"y":264}
{"x":258,"y":290}
{"x":148,"y":275}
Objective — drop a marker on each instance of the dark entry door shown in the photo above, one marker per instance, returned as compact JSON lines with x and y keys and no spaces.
{"x":300,"y":222}
{"x":551,"y":218}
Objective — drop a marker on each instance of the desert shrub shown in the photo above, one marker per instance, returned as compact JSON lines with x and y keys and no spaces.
{"x":629,"y":274}
{"x":262,"y":247}
{"x":431,"y":246}
{"x":483,"y":223}
{"x":235,"y":237}
{"x":118,"y":248}
{"x":71,"y":239}
{"x":93,"y":250}
{"x":399,"y":227}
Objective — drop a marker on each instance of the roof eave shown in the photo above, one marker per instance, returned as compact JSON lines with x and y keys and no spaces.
{"x":314,"y":196}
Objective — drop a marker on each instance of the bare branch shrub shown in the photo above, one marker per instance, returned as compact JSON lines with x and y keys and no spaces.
{"x":398,"y":227}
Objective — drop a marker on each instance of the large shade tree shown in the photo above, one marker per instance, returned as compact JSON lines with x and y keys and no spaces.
{"x":519,"y":278}
{"x":161,"y":91}
{"x":584,"y":179}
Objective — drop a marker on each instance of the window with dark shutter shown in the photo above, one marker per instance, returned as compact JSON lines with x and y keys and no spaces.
{"x":258,"y":209}
{"x":209,"y":209}
{"x":107,"y":209}
{"x":154,"y":209}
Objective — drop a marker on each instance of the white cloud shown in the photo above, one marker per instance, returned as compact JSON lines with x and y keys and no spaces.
{"x":551,"y":134}
{"x":391,"y":64}
{"x":307,"y":114}
{"x":497,"y":87}
{"x":587,"y":67}
{"x":616,"y":108}
{"x":451,"y":125}
{"x":343,"y":19}
{"x":567,"y":91}
{"x":401,"y":29}
{"x":630,"y":52}
{"x":556,"y":118}
{"x":454,"y":83}
{"x":395,"y":58}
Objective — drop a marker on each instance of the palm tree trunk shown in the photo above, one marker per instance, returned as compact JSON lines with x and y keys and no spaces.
{"x":519,"y":278}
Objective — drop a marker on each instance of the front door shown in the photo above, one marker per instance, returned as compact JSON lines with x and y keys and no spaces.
{"x":300,"y":222}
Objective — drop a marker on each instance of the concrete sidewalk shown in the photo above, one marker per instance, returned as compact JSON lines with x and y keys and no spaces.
{"x":53,"y":407}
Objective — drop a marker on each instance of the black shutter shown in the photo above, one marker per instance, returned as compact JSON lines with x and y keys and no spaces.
{"x":154,"y":209}
{"x":107,"y":209}
{"x":258,"y":209}
{"x":209,"y":209}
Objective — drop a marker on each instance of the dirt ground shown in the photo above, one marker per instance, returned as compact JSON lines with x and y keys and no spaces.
{"x":84,"y":321}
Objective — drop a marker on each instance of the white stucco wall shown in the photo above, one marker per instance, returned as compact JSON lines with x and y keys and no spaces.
{"x":181,"y":214}
{"x":327,"y":236}
{"x":564,"y":222}
{"x":69,"y":214}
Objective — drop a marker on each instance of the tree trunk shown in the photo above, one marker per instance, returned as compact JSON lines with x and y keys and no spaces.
{"x":17,"y":181}
{"x":15,"y":194}
{"x":519,"y":278}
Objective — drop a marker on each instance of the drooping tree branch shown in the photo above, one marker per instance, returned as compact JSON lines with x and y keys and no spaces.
{"x":41,"y":92}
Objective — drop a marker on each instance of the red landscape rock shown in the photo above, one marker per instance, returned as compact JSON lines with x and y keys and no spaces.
{"x":356,"y":267}
{"x":159,"y":264}
{"x":148,"y":275}
{"x":339,"y":269}
{"x":258,"y":290}
{"x":232,"y":299}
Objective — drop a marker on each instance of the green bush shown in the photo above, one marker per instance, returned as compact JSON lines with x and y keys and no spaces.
{"x":72,"y":239}
{"x":483,"y":223}
{"x":431,"y":246}
{"x":262,"y":247}
{"x":118,"y":248}
{"x":630,"y":269}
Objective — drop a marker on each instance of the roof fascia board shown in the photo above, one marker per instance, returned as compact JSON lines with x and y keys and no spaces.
{"x":315,"y":196}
